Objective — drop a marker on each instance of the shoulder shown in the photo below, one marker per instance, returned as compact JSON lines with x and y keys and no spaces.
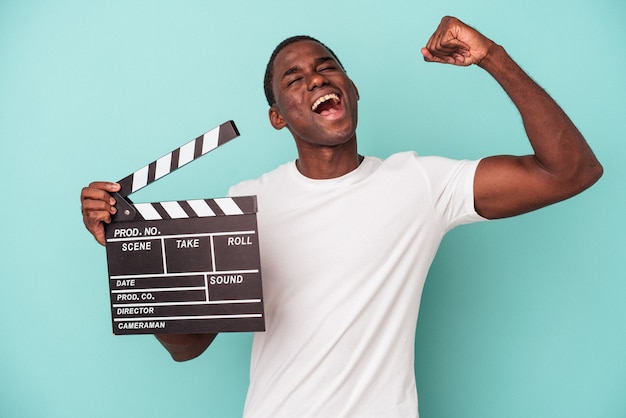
{"x":439,"y":175}
{"x":433,"y":166}
{"x":253,"y":186}
{"x":428,"y":166}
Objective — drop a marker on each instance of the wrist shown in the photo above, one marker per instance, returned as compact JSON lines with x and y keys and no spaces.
{"x":494,"y":58}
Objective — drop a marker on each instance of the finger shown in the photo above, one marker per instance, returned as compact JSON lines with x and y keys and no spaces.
{"x":95,"y":218}
{"x":439,"y":51}
{"x":448,"y":55}
{"x":439,"y":58}
{"x":89,"y":193}
{"x":97,"y":193}
{"x":99,"y":235}
{"x":106,"y":185}
{"x":99,"y":190}
{"x":94,"y":222}
{"x":97,"y":205}
{"x":448,"y":46}
{"x":452,"y":43}
{"x":427,"y":54}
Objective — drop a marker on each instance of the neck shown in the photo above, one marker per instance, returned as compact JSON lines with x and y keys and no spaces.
{"x":327,"y":162}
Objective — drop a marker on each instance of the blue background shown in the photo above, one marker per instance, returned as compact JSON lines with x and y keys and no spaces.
{"x":522,"y":317}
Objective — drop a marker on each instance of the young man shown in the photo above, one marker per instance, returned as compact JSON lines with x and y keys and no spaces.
{"x":342,"y":297}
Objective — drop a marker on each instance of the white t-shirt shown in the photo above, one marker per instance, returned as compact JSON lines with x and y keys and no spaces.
{"x":343,"y":264}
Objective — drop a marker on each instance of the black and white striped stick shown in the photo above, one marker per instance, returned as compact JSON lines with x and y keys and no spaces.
{"x":157,"y":169}
{"x":179,"y":157}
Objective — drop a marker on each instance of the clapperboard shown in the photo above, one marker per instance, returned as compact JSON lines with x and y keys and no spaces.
{"x":184,"y":266}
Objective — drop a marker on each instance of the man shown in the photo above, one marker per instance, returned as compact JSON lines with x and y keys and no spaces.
{"x":346,"y":241}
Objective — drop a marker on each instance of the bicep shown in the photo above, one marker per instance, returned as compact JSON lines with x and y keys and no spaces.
{"x":506,"y":186}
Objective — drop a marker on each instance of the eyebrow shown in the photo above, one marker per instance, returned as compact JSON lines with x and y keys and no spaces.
{"x":296,"y":68}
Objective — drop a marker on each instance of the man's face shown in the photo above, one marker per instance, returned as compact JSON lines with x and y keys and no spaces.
{"x":315,"y":99}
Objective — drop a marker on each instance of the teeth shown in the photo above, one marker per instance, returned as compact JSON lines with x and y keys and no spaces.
{"x":322,"y":99}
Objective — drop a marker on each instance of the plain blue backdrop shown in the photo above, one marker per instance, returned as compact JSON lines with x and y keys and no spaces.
{"x":522,"y":317}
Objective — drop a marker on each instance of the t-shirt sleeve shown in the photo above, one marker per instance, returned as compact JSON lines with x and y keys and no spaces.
{"x":451,"y":184}
{"x":241,"y":189}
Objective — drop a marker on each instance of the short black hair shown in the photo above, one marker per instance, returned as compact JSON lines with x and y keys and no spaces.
{"x":269,"y":70}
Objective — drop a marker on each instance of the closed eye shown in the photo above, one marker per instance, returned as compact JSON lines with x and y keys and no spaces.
{"x":293,"y":81}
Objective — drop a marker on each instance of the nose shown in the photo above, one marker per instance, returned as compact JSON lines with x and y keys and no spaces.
{"x":316,"y":80}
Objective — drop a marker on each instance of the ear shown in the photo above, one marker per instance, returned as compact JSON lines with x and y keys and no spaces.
{"x":355,"y":89}
{"x":276,"y":119}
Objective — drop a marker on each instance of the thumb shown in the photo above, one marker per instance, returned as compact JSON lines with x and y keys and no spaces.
{"x":426,"y":54}
{"x":429,"y":57}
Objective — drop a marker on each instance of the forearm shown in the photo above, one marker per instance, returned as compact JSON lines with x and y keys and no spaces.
{"x":559,"y":147}
{"x":183,"y":347}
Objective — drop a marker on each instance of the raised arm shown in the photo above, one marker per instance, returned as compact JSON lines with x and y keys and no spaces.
{"x":562,"y":165}
{"x":97,"y":206}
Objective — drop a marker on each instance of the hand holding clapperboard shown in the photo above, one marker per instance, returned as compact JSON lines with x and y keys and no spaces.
{"x":187,"y":266}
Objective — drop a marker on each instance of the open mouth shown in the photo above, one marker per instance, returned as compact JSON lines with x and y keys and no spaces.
{"x":326,"y":105}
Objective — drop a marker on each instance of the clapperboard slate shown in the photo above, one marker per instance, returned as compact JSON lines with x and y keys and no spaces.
{"x":186,"y":266}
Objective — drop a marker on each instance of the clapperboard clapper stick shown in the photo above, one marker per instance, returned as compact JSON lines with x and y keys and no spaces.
{"x":187,"y":266}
